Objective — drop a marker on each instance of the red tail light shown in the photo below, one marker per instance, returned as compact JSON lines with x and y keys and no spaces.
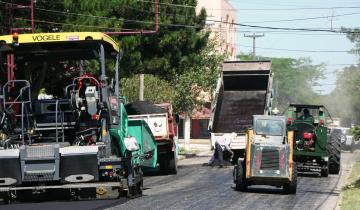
{"x":307,"y":135}
{"x":289,"y":121}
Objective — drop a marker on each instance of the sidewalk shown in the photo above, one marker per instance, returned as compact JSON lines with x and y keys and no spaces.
{"x":195,"y":148}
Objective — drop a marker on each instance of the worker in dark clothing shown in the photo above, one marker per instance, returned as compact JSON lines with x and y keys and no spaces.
{"x":306,"y":115}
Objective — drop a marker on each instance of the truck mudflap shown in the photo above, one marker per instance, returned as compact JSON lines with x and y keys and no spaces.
{"x":78,"y":191}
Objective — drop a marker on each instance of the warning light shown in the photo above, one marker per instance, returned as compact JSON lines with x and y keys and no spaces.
{"x":15,"y":37}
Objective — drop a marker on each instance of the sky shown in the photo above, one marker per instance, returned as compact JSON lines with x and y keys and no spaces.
{"x":276,"y":10}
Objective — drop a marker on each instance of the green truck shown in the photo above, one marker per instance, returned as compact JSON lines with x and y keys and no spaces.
{"x":315,"y":149}
{"x":75,"y":135}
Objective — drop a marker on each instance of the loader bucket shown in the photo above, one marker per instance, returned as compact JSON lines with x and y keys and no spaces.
{"x":141,"y":131}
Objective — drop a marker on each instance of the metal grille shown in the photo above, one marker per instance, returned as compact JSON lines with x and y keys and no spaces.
{"x":40,"y":151}
{"x":270,"y":159}
{"x":41,"y":175}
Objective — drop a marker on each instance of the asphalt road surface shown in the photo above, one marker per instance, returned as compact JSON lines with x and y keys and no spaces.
{"x":200,"y":187}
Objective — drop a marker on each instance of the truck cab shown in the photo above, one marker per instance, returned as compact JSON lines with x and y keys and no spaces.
{"x":268,"y":156}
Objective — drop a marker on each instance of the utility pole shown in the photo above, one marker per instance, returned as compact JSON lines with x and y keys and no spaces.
{"x":254,"y":36}
{"x":141,"y":89}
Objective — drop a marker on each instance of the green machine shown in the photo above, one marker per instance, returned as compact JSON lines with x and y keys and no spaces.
{"x":75,"y":135}
{"x":315,"y":150}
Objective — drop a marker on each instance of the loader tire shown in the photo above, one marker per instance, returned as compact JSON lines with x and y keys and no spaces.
{"x":290,"y":188}
{"x":334,"y":153}
{"x":240,"y":179}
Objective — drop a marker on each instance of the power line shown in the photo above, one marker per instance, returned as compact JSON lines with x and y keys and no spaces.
{"x":259,"y":9}
{"x":169,"y":4}
{"x":296,"y":50}
{"x":300,"y":19}
{"x":200,"y":27}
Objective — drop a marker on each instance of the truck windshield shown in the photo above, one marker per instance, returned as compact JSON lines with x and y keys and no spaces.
{"x":269,"y":127}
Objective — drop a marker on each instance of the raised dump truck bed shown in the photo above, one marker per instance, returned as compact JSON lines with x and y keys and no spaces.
{"x":243,"y":90}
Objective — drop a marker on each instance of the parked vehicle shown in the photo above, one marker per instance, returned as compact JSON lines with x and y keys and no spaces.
{"x":162,"y":123}
{"x":268,"y":156}
{"x":346,"y":138}
{"x":244,"y":89}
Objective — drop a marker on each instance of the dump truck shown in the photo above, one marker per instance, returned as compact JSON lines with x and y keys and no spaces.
{"x":268,"y":156}
{"x":244,"y":89}
{"x":162,"y":123}
{"x":80,"y":141}
{"x":316,"y":150}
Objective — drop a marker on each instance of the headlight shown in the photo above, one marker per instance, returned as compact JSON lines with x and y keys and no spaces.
{"x":343,"y":139}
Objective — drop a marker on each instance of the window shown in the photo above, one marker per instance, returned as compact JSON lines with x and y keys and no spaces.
{"x":269,"y":127}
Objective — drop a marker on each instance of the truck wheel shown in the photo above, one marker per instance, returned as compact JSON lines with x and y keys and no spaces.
{"x":172,"y":163}
{"x":240,"y":179}
{"x":290,"y":188}
{"x":352,"y":146}
{"x":168,"y":163}
{"x":334,"y":152}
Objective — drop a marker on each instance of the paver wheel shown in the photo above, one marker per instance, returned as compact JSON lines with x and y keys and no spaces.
{"x":334,"y":152}
{"x":136,"y":190}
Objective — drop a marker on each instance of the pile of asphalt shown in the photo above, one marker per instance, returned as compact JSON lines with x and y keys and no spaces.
{"x":143,"y":107}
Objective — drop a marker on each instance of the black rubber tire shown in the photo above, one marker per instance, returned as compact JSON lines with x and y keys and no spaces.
{"x":172,"y":163}
{"x":290,"y":188}
{"x":325,"y":171}
{"x":136,"y":190}
{"x":352,"y":146}
{"x":240,"y":179}
{"x":168,"y":163}
{"x":334,"y":153}
{"x":163,"y":164}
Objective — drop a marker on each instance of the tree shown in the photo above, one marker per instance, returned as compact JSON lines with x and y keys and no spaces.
{"x":157,"y":90}
{"x":345,"y":99}
{"x":293,"y":80}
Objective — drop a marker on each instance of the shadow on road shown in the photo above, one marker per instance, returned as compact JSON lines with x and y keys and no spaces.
{"x":267,"y":190}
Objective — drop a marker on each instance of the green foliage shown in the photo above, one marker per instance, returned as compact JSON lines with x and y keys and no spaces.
{"x":179,"y":56}
{"x":356,"y":131}
{"x":196,"y":85}
{"x":345,"y":99}
{"x":157,"y":90}
{"x":293,"y":79}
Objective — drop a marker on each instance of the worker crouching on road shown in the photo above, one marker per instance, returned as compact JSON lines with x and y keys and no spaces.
{"x":222,"y":150}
